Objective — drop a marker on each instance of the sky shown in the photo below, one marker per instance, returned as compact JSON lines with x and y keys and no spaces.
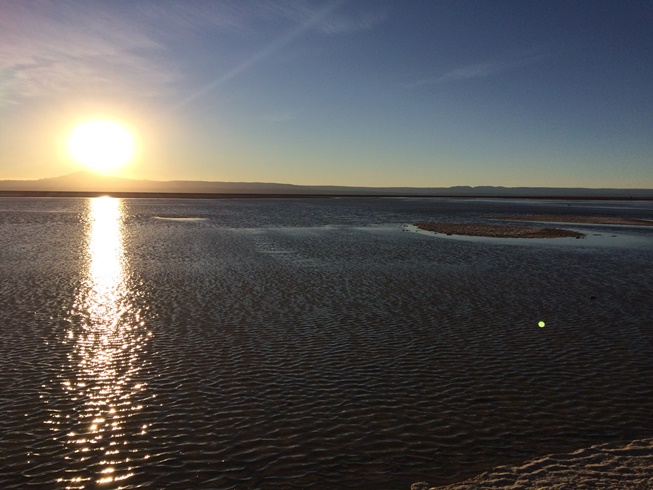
{"x":421,"y":93}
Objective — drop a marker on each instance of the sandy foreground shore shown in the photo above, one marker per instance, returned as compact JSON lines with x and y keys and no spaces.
{"x":552,"y":218}
{"x":606,"y":466}
{"x":497,"y":231}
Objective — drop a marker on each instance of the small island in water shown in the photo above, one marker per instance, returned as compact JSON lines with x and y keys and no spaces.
{"x":518,"y":231}
{"x":497,"y":231}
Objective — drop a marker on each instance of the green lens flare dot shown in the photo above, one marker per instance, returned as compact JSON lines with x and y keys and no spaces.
{"x":541,"y":324}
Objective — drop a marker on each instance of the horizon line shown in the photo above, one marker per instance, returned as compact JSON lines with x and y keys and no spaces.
{"x":345,"y":186}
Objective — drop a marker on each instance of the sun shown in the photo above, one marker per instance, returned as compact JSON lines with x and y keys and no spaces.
{"x":101,"y":144}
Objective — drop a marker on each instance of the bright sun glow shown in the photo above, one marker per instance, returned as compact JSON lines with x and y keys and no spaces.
{"x":101,"y":144}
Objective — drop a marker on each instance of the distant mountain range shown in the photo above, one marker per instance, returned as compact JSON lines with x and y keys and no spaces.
{"x":86,"y":182}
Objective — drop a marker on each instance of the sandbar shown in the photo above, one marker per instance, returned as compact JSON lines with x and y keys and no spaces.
{"x":180,"y":218}
{"x":553,"y":218}
{"x":497,"y":231}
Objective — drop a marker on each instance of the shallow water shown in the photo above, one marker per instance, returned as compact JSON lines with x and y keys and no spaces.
{"x":311,"y":343}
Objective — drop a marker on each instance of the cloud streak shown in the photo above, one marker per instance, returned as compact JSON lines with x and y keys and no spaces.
{"x":50,"y":48}
{"x":336,"y":22}
{"x":54,"y":48}
{"x":243,"y":15}
{"x":263,"y":53}
{"x":478,"y":71}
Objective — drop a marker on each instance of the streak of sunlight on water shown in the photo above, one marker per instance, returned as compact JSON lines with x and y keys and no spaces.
{"x":313,"y":343}
{"x":107,"y":336}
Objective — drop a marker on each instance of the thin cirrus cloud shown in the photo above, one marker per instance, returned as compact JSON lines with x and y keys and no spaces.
{"x":286,"y":38}
{"x":479,"y":70}
{"x":53,"y":48}
{"x":324,"y":18}
{"x":56,"y":48}
{"x":242,"y":15}
{"x":335,"y":23}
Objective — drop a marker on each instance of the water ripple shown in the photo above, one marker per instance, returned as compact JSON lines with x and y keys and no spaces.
{"x":330,"y":356}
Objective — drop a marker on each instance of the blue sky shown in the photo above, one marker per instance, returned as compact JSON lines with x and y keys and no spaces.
{"x":381,"y":93}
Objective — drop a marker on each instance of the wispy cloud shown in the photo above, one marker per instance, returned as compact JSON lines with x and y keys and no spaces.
{"x":49,"y":48}
{"x":245,"y":14}
{"x":52,"y":48}
{"x":325,"y":18}
{"x":337,"y":22}
{"x":479,"y":70}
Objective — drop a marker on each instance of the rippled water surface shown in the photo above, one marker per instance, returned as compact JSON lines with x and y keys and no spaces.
{"x":316,"y":343}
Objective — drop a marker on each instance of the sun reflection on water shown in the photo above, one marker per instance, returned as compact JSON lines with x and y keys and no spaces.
{"x":103,"y":381}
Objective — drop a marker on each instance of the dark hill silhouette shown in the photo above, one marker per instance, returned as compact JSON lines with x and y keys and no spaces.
{"x":88,"y":182}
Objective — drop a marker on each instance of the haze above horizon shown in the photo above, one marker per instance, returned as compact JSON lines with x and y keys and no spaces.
{"x":366,"y":93}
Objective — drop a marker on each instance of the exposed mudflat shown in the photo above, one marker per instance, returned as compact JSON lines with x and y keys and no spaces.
{"x":597,"y":220}
{"x":497,"y":231}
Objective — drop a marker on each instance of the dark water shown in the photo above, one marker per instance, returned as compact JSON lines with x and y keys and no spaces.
{"x":311,"y":343}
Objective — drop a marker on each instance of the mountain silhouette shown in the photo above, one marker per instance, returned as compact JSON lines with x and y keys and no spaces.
{"x":89,"y":182}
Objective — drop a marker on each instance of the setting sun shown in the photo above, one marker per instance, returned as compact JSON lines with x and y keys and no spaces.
{"x":101,"y":144}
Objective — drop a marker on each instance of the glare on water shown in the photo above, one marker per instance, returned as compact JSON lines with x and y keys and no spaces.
{"x":308,"y":344}
{"x":102,"y":377}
